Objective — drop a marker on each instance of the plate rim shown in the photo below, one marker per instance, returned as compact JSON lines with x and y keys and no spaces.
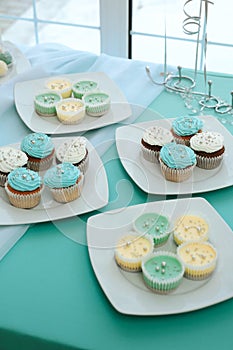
{"x":171,"y":192}
{"x":122,"y":307}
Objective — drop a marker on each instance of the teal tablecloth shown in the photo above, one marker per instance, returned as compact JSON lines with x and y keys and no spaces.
{"x":51,"y":299}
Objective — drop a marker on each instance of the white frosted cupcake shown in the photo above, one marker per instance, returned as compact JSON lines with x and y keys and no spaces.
{"x":10,"y":159}
{"x":190,"y":228}
{"x":97,"y":103}
{"x":162,"y":272}
{"x":74,"y":151}
{"x":209,"y":149}
{"x":131,"y":249}
{"x":199,"y":259}
{"x":61,"y":85}
{"x":70,"y":111}
{"x":152,"y":141}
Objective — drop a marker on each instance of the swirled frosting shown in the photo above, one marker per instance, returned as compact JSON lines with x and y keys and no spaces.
{"x":22,"y":179}
{"x":177,"y":156}
{"x":208,"y":141}
{"x":11,"y":158}
{"x":158,"y":136}
{"x":37,"y":145}
{"x":72,"y":151}
{"x":188,"y":125}
{"x":62,"y":175}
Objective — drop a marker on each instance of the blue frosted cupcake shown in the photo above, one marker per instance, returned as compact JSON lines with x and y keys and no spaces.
{"x":65,"y":182}
{"x":39,"y":149}
{"x":23,"y":187}
{"x":177,"y":162}
{"x":183,"y":128}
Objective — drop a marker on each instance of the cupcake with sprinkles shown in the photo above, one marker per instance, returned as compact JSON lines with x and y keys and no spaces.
{"x":39,"y":149}
{"x":152,"y":141}
{"x":183,"y":128}
{"x":177,"y":162}
{"x":10,"y":159}
{"x":96,"y":103}
{"x":62,"y":85}
{"x":24,"y":187}
{"x":190,"y":228}
{"x":155,"y":225}
{"x":131,"y":249}
{"x":162,"y":272}
{"x":81,"y":87}
{"x":199,"y":259}
{"x":209,"y":149}
{"x":65,"y":182}
{"x":45,"y":103}
{"x":74,"y":151}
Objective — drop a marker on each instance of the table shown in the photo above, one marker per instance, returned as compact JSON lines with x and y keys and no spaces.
{"x":51,"y":299}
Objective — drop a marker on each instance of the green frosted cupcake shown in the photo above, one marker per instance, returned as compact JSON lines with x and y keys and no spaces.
{"x":82,"y":87}
{"x":6,"y":57}
{"x":97,"y":103}
{"x":45,"y":103}
{"x":162,"y":272}
{"x":155,"y":225}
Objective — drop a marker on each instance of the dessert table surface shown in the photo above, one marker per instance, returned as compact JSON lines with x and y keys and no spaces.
{"x":50,"y":297}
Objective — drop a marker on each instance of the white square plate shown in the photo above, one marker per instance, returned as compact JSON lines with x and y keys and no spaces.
{"x":24,"y":96}
{"x":94,"y":196}
{"x":127,"y":292}
{"x":148,"y":175}
{"x":20,"y":65}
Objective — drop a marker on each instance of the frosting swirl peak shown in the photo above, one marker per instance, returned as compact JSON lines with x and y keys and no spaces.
{"x":37,"y":145}
{"x":177,"y":156}
{"x":188,"y":125}
{"x":62,"y":175}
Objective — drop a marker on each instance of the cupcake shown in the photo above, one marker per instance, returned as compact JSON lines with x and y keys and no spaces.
{"x":162,"y":272}
{"x":6,"y":57}
{"x":209,"y":149}
{"x":3,"y":69}
{"x":70,"y":111}
{"x":177,"y":162}
{"x":40,"y":150}
{"x":152,"y":141}
{"x":45,"y":103}
{"x":154,"y":225}
{"x":10,"y":159}
{"x":131,"y":249}
{"x":65,"y":182}
{"x":183,"y":128}
{"x":60,"y":85}
{"x":199,"y":259}
{"x":97,"y":103}
{"x":23,"y":187}
{"x":81,"y":87}
{"x":190,"y":228}
{"x":74,"y":151}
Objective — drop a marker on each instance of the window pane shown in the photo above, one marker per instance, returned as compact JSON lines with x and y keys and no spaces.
{"x":20,"y":33}
{"x":77,"y":38}
{"x":79,"y":12}
{"x":18,"y":8}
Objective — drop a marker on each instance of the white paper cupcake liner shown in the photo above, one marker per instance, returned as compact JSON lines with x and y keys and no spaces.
{"x":24,"y":201}
{"x":83,"y":166}
{"x":68,"y":194}
{"x":150,"y":155}
{"x":162,"y":286}
{"x":198,"y":273}
{"x":40,"y":165}
{"x":176,"y":175}
{"x":133,"y":264}
{"x":209,"y":163}
{"x":3,"y":178}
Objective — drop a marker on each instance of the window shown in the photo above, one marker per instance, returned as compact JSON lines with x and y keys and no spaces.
{"x":127,"y":28}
